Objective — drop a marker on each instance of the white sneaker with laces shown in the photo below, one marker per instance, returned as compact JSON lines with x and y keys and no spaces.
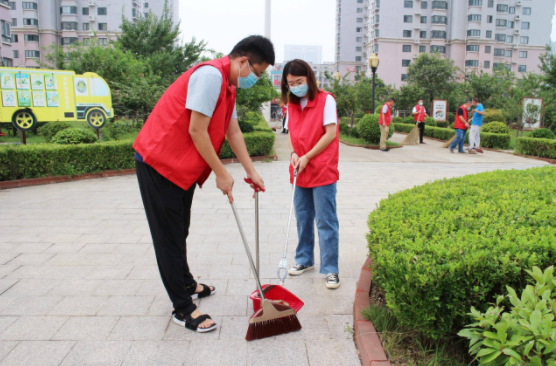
{"x":299,"y":269}
{"x":332,"y":281}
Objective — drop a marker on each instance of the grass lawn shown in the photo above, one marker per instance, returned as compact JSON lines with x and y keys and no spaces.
{"x":32,"y":138}
{"x":360,"y":141}
{"x":513,"y":138}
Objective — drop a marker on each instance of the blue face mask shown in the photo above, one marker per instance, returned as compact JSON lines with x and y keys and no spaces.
{"x":421,"y":103}
{"x":300,"y":90}
{"x":468,"y":108}
{"x":246,"y":82}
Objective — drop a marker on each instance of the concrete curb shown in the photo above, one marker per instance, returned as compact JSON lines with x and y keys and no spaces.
{"x":110,"y":173}
{"x":366,"y":338}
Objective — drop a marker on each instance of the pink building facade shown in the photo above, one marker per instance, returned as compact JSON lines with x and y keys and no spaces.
{"x":6,"y":55}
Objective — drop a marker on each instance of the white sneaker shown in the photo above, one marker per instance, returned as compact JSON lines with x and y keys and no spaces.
{"x":332,"y":280}
{"x":299,"y":269}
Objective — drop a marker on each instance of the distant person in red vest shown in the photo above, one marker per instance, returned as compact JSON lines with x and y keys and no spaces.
{"x":313,"y":125}
{"x":419,"y":112}
{"x":284,"y":116}
{"x":178,"y":148}
{"x":384,"y":122}
{"x":461,"y":125}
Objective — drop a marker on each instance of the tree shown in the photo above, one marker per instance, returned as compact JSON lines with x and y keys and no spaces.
{"x":548,"y":69}
{"x":344,"y":91}
{"x":364,"y":93}
{"x":491,"y":88}
{"x":253,"y":98}
{"x":407,"y":96}
{"x":434,"y":74}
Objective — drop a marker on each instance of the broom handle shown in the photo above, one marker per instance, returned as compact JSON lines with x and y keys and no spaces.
{"x":248,"y":251}
{"x":291,"y":211}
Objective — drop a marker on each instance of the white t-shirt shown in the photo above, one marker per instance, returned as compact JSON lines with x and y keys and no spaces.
{"x":415,"y":110}
{"x":204,"y":90}
{"x":330,"y":116}
{"x":385,"y":109}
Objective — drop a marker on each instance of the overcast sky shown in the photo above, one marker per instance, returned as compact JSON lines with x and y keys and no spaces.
{"x":223,"y":23}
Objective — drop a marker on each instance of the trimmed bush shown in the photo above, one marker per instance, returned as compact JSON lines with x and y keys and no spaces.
{"x":496,"y":127}
{"x":442,"y":124}
{"x":429,"y":121}
{"x":409,"y":120}
{"x":441,"y":248}
{"x":543,"y":148}
{"x":354,"y":132}
{"x":369,"y":129}
{"x":495,"y":140}
{"x":542,"y":133}
{"x":74,"y":136}
{"x":50,"y":129}
{"x":397,"y":119}
{"x":451,"y":117}
{"x":347,"y":120}
{"x":258,"y":144}
{"x":402,"y":127}
{"x":344,"y":128}
{"x":378,"y":108}
{"x":359,"y":114}
{"x":246,"y":127}
{"x":492,"y":115}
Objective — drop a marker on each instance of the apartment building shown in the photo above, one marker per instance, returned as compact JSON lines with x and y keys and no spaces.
{"x":351,"y":38}
{"x":476,"y":34}
{"x":37,"y":24}
{"x":319,"y":69}
{"x":157,"y":7}
{"x":5,"y":25}
{"x":311,"y":54}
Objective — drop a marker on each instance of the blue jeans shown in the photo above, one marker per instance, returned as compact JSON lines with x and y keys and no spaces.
{"x":460,"y":138}
{"x":317,"y":204}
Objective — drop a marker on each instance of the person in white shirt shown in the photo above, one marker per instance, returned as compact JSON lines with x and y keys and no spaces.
{"x":419,"y":112}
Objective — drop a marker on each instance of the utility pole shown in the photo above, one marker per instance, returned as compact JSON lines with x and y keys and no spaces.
{"x":267,"y":108}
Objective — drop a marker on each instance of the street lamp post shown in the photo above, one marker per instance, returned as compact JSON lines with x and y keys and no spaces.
{"x":373,"y":64}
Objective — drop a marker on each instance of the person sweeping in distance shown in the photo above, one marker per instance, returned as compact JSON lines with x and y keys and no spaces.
{"x":384,"y":123}
{"x":461,"y":125}
{"x":419,"y":112}
{"x":178,"y":147}
{"x":312,"y":123}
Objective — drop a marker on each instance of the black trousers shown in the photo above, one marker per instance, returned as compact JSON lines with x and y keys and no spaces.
{"x":168,"y":209}
{"x":421,"y":130}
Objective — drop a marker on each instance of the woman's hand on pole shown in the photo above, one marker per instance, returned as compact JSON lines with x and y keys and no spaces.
{"x":256,"y":179}
{"x":301,"y":164}
{"x":225,"y":183}
{"x":294,"y":159}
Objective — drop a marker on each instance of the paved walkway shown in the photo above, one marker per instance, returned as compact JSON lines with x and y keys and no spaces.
{"x":79,"y":283}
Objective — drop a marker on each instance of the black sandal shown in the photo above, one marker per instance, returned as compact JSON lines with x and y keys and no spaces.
{"x":205,"y":293}
{"x":193,"y":323}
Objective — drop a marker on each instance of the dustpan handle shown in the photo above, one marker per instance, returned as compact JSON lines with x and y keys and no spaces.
{"x":248,"y":251}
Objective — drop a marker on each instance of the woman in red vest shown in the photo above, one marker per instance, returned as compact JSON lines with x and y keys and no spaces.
{"x":313,"y":126}
{"x":178,"y":148}
{"x":419,"y":112}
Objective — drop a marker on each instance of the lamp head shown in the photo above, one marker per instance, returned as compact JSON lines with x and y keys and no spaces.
{"x":374,"y":61}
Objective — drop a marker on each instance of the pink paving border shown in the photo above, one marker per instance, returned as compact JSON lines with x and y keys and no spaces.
{"x":110,"y":173}
{"x":366,"y":338}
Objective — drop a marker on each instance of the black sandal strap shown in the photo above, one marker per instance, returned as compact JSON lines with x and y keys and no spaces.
{"x":206,"y":291}
{"x":193,"y":323}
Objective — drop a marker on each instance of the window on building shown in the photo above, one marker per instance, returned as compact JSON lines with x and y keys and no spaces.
{"x":102,"y":26}
{"x":422,"y":49}
{"x":68,"y":10}
{"x":405,"y":63}
{"x":103,"y":41}
{"x":526,"y":11}
{"x":145,"y":5}
{"x":499,"y":52}
{"x":439,"y":19}
{"x":30,"y":21}
{"x":33,"y":54}
{"x":489,"y":34}
{"x":377,"y":4}
{"x":500,"y":37}
{"x":474,"y":17}
{"x":86,"y":26}
{"x":408,"y":4}
{"x":487,"y":65}
{"x":489,"y":18}
{"x":6,"y":31}
{"x":359,"y":29}
{"x":14,"y":22}
{"x":68,"y":40}
{"x":423,"y":34}
{"x":502,"y":8}
{"x":404,"y":77}
{"x":29,"y":5}
{"x":359,"y":10}
{"x":406,"y":48}
{"x":438,"y":34}
{"x":15,"y":38}
{"x":497,"y":65}
{"x":8,"y":62}
{"x":12,"y":5}
{"x":407,"y":33}
{"x":474,"y":33}
{"x":424,"y":4}
{"x":102,"y":11}
{"x":86,"y":41}
{"x":509,"y":53}
{"x":358,"y":39}
{"x":146,"y":14}
{"x":358,"y":58}
{"x":511,"y":10}
{"x":522,"y":68}
{"x":377,"y":18}
{"x":360,"y":1}
{"x":524,"y":40}
{"x":475,"y":2}
{"x":16,"y":54}
{"x":358,"y":49}
{"x":69,"y":25}
{"x":487,"y":49}
{"x":522,"y":54}
{"x":491,"y":3}
{"x":85,"y":11}
{"x":511,"y":24}
{"x":441,"y":49}
{"x":31,"y":37}
{"x":472,"y":48}
{"x":501,"y":22}
{"x":423,"y":20}
{"x":471,"y":63}
{"x":375,"y":48}
{"x":440,"y":5}
{"x":525,"y":25}
{"x":408,"y":18}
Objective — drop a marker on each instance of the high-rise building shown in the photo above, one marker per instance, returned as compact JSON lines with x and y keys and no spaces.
{"x":351,"y":37}
{"x":37,"y":24}
{"x":157,"y":7}
{"x":553,"y":48}
{"x":476,"y":34}
{"x":319,"y":69}
{"x":311,"y":54}
{"x":6,"y":53}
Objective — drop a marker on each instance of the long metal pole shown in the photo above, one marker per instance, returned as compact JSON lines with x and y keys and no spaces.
{"x":267,"y":22}
{"x":257,"y":231}
{"x":374,"y":80}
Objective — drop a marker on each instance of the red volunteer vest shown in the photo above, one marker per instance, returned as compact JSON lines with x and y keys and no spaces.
{"x":306,"y":130}
{"x":386,"y":118}
{"x":421,"y":116}
{"x":164,"y":142}
{"x":458,"y":123}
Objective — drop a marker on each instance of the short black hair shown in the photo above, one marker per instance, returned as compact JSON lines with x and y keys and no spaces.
{"x":392,"y":100}
{"x":257,"y":48}
{"x":476,"y":99}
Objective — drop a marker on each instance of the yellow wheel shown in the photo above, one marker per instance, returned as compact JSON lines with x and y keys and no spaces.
{"x":96,"y":119}
{"x":24,"y":120}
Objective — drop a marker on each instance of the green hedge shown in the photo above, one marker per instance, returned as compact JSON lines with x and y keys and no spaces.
{"x":442,"y":124}
{"x":542,"y":133}
{"x":369,"y":129}
{"x":492,"y":115}
{"x":495,"y":140}
{"x":496,"y":127}
{"x":543,"y":148}
{"x":258,"y":144}
{"x":440,"y":248}
{"x":429,"y":121}
{"x":75,"y":136}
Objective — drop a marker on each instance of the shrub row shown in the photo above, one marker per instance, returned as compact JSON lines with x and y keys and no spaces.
{"x":440,"y":248}
{"x":369,"y":129}
{"x":258,"y":144}
{"x":543,"y":148}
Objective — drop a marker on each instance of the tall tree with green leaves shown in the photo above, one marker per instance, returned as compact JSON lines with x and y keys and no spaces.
{"x":253,"y":98}
{"x":434,"y":74}
{"x":491,"y":88}
{"x":364,"y":93}
{"x":344,"y":91}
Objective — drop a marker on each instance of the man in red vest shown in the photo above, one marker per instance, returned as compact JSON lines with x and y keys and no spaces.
{"x":384,"y":122}
{"x":178,"y":148}
{"x":461,"y":125}
{"x":419,"y":112}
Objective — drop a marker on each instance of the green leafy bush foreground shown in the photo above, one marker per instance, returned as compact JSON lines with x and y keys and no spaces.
{"x":441,"y":248}
{"x":74,"y":136}
{"x":50,"y":129}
